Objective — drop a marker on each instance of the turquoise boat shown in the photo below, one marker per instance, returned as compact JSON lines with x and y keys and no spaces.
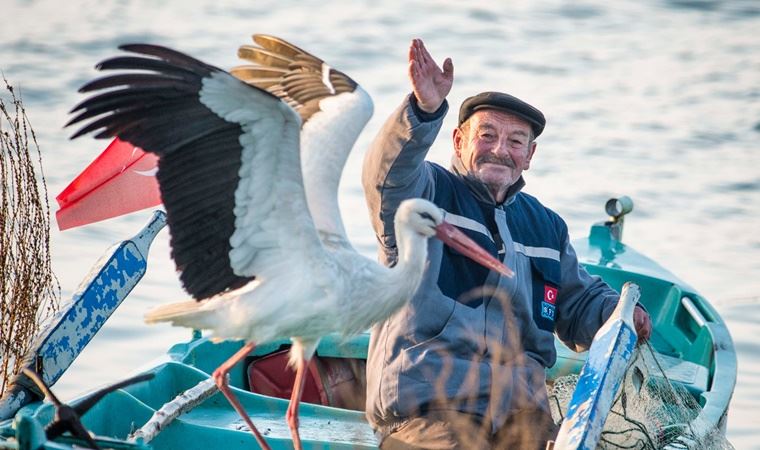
{"x":690,"y":339}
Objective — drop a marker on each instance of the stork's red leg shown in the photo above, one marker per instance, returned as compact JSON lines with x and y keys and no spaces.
{"x":295,"y":401}
{"x":220,"y":377}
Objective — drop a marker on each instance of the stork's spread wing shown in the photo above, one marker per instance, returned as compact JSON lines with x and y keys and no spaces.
{"x":334,"y":109}
{"x":228,"y":163}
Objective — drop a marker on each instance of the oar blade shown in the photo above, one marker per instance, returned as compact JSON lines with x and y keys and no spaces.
{"x":110,"y":281}
{"x":601,"y":376}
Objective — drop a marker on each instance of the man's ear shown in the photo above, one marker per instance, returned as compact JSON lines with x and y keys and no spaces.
{"x":458,"y":138}
{"x":531,"y":152}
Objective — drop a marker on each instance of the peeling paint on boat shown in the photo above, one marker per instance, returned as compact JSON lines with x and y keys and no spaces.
{"x":19,"y":398}
{"x":357,"y":433}
{"x":588,"y":388}
{"x":601,"y":376}
{"x":92,"y":307}
{"x":108,"y":283}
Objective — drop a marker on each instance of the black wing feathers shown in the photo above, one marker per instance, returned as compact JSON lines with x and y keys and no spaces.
{"x":155,"y":105}
{"x":199,"y":187}
{"x":166,"y":69}
{"x":172,"y":56}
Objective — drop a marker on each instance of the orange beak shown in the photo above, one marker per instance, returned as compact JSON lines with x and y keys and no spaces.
{"x":451,"y":236}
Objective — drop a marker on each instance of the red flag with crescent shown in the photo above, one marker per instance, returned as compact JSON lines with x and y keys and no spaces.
{"x":119,"y":181}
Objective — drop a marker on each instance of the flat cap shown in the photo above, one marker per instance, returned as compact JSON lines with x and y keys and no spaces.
{"x":503,"y":102}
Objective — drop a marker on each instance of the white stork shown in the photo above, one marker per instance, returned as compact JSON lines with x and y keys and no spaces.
{"x":238,"y":165}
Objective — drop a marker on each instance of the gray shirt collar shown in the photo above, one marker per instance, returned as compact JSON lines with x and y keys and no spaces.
{"x":479,"y":189}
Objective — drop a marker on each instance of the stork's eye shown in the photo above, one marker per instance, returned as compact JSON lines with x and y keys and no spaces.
{"x":427,"y":216}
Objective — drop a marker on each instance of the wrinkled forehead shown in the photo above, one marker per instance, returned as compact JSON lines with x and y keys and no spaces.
{"x":500,"y":121}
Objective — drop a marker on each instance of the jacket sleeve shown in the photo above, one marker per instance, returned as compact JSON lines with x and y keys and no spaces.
{"x":395,"y":168}
{"x":585,"y":302}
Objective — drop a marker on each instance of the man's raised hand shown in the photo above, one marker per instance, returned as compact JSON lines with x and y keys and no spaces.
{"x":430,"y":84}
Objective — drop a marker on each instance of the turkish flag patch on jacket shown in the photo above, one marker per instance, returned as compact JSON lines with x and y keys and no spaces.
{"x":550,"y":294}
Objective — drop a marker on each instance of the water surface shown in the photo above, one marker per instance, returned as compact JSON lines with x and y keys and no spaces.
{"x":658,"y":100}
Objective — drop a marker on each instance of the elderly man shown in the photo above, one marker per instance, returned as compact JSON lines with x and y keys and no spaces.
{"x":463,"y":365}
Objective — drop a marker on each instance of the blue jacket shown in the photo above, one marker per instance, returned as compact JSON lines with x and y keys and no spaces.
{"x":470,"y":339}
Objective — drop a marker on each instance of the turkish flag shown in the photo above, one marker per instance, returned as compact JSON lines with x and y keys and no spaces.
{"x":550,"y":294}
{"x":119,"y":181}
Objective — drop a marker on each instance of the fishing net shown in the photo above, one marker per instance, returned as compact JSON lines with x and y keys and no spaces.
{"x":29,"y":292}
{"x":650,"y":411}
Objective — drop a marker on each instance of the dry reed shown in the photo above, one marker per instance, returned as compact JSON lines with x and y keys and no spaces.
{"x":505,"y":358}
{"x":29,"y":291}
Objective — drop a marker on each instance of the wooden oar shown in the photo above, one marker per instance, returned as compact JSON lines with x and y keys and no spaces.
{"x":109,"y":282}
{"x":600,"y":376}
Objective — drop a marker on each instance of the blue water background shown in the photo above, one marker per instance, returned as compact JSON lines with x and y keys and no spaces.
{"x":656,"y":99}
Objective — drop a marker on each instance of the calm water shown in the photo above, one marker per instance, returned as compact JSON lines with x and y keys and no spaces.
{"x":659,"y":100}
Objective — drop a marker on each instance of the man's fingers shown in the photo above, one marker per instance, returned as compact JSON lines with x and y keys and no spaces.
{"x":418,"y":52}
{"x":424,"y":54}
{"x":448,"y":69}
{"x":414,"y":51}
{"x":643,"y":324}
{"x":415,"y":72}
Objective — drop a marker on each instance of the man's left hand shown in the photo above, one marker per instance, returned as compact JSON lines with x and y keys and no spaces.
{"x":643,"y":323}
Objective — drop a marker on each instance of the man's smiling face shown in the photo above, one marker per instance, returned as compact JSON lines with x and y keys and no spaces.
{"x":495,"y":147}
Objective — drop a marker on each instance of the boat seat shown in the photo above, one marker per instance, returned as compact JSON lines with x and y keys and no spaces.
{"x":693,"y":377}
{"x":337,"y":382}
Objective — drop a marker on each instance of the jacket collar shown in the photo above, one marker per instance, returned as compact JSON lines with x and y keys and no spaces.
{"x":479,"y":189}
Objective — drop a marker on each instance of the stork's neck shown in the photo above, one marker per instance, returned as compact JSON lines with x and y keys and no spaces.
{"x":412,"y":254}
{"x":412,"y":246}
{"x":398,"y":284}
